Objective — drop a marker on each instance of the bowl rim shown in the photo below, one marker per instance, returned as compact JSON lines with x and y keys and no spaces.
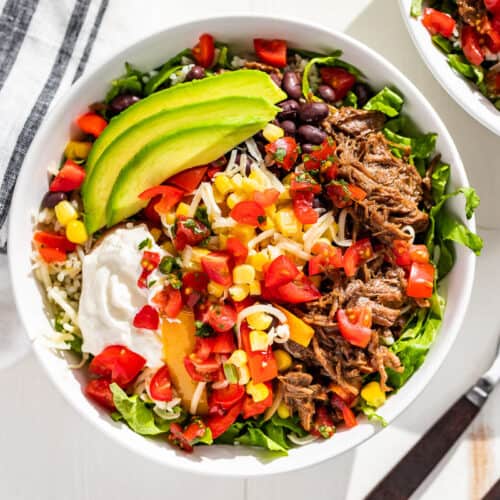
{"x":454,"y":84}
{"x":197,"y":467}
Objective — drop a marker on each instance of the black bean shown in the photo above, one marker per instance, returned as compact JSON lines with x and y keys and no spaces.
{"x":309,"y":133}
{"x":195,"y":73}
{"x":52,"y":198}
{"x":290,"y":108}
{"x":363,"y":93}
{"x":307,"y":148}
{"x":326,"y":93}
{"x":291,"y":84}
{"x":313,"y":112}
{"x":276,"y":78}
{"x":247,"y":163}
{"x":121,"y":102}
{"x":289,"y":127}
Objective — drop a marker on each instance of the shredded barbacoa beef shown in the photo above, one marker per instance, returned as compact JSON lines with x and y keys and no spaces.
{"x":356,"y":122}
{"x":474,"y":12}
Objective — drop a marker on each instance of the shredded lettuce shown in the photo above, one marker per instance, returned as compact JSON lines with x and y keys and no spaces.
{"x":136,"y":413}
{"x":443,"y":43}
{"x":459,"y":63}
{"x":271,"y":435}
{"x":386,"y":101}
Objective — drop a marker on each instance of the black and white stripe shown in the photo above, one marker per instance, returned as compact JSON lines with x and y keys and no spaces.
{"x":19,"y":24}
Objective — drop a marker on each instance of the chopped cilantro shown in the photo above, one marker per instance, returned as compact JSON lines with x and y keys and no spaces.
{"x":203,"y":329}
{"x":147,"y":243}
{"x":202,"y":216}
{"x":280,"y":154}
{"x":151,"y":283}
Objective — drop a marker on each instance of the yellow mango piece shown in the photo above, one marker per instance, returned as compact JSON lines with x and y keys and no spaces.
{"x":178,"y":342}
{"x":300,"y":331}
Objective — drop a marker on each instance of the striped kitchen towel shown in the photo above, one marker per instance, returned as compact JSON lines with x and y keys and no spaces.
{"x":44,"y":47}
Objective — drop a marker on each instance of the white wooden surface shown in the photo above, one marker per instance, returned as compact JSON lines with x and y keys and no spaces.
{"x":47,"y":451}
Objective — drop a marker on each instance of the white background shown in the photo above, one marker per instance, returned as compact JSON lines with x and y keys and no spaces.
{"x":47,"y":451}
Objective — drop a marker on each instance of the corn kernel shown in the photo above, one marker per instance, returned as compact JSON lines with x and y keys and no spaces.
{"x":243,"y":232}
{"x":77,"y":150}
{"x":239,"y":292}
{"x":168,"y":246}
{"x":373,"y":394}
{"x":218,"y":196}
{"x":287,"y":223}
{"x":65,"y":212}
{"x":239,"y":358}
{"x":268,"y":224}
{"x":259,"y":321}
{"x":169,"y":218}
{"x":182,"y":209}
{"x":76,"y":232}
{"x":248,"y":186}
{"x":198,"y":253}
{"x":259,"y":392}
{"x":259,"y":177}
{"x":243,"y":274}
{"x":244,"y":373}
{"x":156,"y":233}
{"x":233,"y":199}
{"x":258,"y":260}
{"x":215,"y":289}
{"x":272,"y":132}
{"x":283,"y":360}
{"x":270,"y":210}
{"x":223,"y":184}
{"x":258,"y":340}
{"x":283,"y":411}
{"x":222,"y":241}
{"x":255,"y":288}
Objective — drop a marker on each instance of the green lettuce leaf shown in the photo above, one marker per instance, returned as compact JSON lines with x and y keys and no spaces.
{"x":205,"y":439}
{"x":138,"y":416}
{"x":170,"y":67}
{"x":422,"y":146}
{"x":443,"y":43}
{"x":129,"y":83}
{"x":330,"y":60}
{"x":386,"y":101}
{"x":351,"y":99}
{"x":370,"y":412}
{"x":460,"y":64}
{"x":256,"y":437}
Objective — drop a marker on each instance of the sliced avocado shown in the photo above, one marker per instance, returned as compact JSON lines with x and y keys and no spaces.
{"x":168,"y":156}
{"x":234,"y":111}
{"x":245,"y":82}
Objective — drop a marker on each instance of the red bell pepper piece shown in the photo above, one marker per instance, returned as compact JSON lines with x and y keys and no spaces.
{"x":170,"y":196}
{"x":262,"y":365}
{"x":69,"y":178}
{"x":271,"y":52}
{"x":147,"y":318}
{"x":204,"y":50}
{"x":347,"y":413}
{"x":190,"y":179}
{"x":219,"y":424}
{"x":53,"y":240}
{"x":91,"y":123}
{"x":251,"y":408}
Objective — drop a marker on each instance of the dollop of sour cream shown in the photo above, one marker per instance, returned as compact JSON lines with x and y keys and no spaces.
{"x":111,"y":298}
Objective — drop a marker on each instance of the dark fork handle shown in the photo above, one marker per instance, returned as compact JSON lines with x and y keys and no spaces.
{"x":416,"y":465}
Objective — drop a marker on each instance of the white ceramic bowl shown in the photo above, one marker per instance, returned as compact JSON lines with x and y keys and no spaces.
{"x":32,"y":184}
{"x":458,"y":87}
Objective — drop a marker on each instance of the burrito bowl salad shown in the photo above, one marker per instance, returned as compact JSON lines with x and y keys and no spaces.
{"x":246,"y":249}
{"x":468,"y":33}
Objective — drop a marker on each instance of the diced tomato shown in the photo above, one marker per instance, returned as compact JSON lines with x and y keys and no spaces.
{"x":493,"y":6}
{"x":221,"y":317}
{"x":347,"y":413}
{"x":160,"y":386}
{"x":147,"y":318}
{"x":248,"y":212}
{"x":420,"y":281}
{"x":343,"y":195}
{"x":53,"y":240}
{"x":304,"y":182}
{"x":271,"y":52}
{"x":419,"y":253}
{"x":216,"y":265}
{"x":150,"y":212}
{"x":50,"y":255}
{"x":202,"y":370}
{"x":252,"y":409}
{"x":262,"y":365}
{"x":347,"y":396}
{"x":91,"y":123}
{"x":356,"y":254}
{"x":284,"y":152}
{"x":401,"y":251}
{"x":239,"y":306}
{"x":149,"y":262}
{"x":190,"y":179}
{"x":493,"y":40}
{"x":438,"y":23}
{"x":177,"y":438}
{"x":204,"y":348}
{"x":169,"y":302}
{"x":170,"y":196}
{"x":355,"y":325}
{"x":471,"y":46}
{"x":320,"y":155}
{"x":323,"y":425}
{"x":219,"y":424}
{"x":227,"y":397}
{"x":196,"y":280}
{"x":327,"y":255}
{"x":495,"y":22}
{"x":298,"y":291}
{"x":189,"y":231}
{"x":99,"y":391}
{"x":69,"y":178}
{"x":196,"y":429}
{"x":281,"y":271}
{"x":237,"y":250}
{"x":338,"y":78}
{"x":118,"y":363}
{"x":303,"y":207}
{"x":267,"y":197}
{"x":224,"y":343}
{"x":204,"y":50}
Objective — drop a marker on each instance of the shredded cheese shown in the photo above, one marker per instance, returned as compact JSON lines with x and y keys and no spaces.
{"x":56,"y":295}
{"x":223,"y":222}
{"x":261,"y":237}
{"x":195,"y":202}
{"x":207,"y":195}
{"x":273,"y":180}
{"x":254,"y":150}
